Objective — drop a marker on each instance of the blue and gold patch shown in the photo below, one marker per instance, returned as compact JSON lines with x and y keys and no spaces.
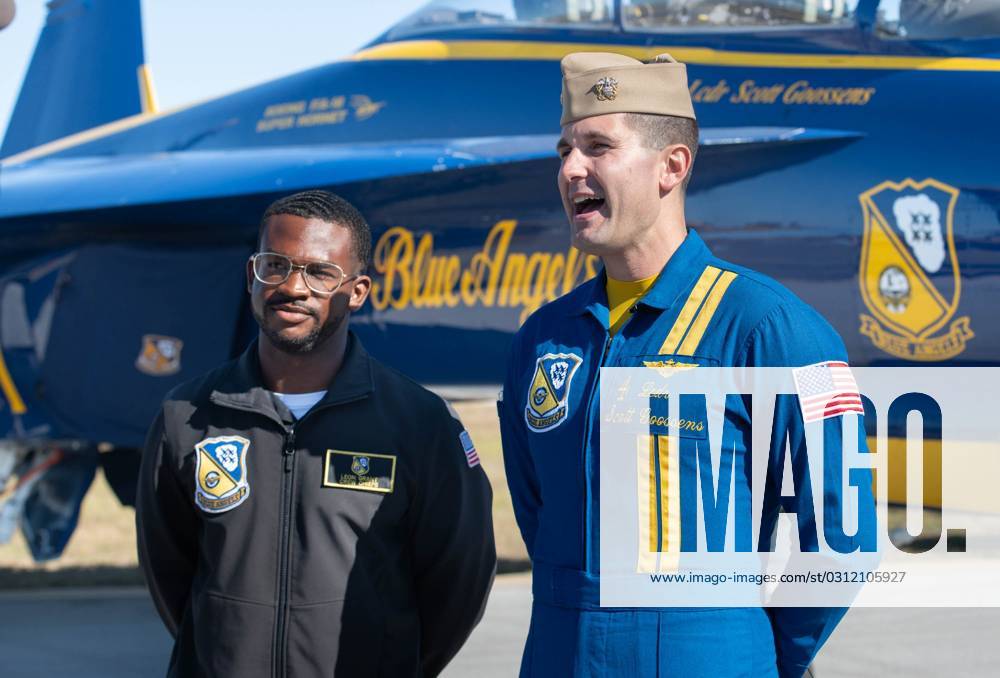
{"x":221,"y":478}
{"x":159,"y":356}
{"x":909,"y":274}
{"x":548,"y":392}
{"x":359,"y":471}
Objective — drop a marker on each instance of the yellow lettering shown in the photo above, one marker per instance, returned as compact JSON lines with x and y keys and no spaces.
{"x":512,"y":276}
{"x":452,"y":274}
{"x":556,"y":268}
{"x":393,"y":254}
{"x":709,"y":94}
{"x":481,"y":279}
{"x":271,"y":124}
{"x":290,"y":108}
{"x":319,"y":104}
{"x":533,"y":287}
{"x":411,"y":275}
{"x":327,"y":118}
{"x":800,"y":92}
{"x":421,"y":271}
{"x":795,"y":95}
{"x":574,"y":265}
{"x":750,"y":93}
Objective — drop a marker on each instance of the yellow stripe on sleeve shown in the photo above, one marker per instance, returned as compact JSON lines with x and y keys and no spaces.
{"x":646,"y":488}
{"x":665,"y":513}
{"x":701,"y":288}
{"x":700,"y":323}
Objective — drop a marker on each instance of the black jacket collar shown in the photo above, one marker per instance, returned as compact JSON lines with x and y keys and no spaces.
{"x":242,"y":387}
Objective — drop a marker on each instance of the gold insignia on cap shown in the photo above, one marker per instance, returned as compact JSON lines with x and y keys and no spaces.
{"x":606,"y":89}
{"x":599,"y":83}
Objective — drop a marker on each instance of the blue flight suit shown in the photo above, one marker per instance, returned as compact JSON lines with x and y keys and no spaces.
{"x":700,"y":310}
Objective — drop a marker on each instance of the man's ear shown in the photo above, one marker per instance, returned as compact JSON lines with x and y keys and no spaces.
{"x":360,"y":288}
{"x":674,"y":166}
{"x":250,"y":276}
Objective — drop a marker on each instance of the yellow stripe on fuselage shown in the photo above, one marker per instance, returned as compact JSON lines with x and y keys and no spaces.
{"x":702,"y":56}
{"x":527,"y":50}
{"x":9,"y":389}
{"x":147,"y":93}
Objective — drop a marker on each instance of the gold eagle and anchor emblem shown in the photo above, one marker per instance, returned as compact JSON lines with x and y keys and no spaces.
{"x":605,"y":89}
{"x":909,"y":274}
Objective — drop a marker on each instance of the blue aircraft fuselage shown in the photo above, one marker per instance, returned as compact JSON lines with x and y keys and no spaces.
{"x":816,"y":142}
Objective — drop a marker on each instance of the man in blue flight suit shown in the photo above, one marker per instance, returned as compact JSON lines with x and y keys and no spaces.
{"x":629,"y":139}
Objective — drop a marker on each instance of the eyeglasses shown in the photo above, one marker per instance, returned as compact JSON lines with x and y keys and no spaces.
{"x":320,"y":276}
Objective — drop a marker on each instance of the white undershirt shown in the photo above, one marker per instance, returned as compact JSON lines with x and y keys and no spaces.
{"x":300,"y":403}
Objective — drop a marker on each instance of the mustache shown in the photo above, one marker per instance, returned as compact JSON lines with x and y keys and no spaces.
{"x":286,"y":301}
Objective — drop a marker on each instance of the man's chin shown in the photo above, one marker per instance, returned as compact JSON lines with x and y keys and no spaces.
{"x":293,"y":343}
{"x":587,"y":244}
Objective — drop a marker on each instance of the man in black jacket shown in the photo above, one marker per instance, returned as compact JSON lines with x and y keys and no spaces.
{"x":304,"y":510}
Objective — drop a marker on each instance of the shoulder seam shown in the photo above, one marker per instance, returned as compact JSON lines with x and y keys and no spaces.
{"x":746,"y":343}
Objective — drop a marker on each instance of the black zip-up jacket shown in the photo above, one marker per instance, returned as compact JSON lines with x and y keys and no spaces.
{"x":356,"y":541}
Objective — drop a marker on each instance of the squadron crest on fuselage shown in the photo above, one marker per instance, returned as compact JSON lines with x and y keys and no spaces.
{"x":909,"y":273}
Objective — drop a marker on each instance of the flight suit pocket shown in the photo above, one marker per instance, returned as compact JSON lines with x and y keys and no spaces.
{"x":706,"y":643}
{"x":654,"y":393}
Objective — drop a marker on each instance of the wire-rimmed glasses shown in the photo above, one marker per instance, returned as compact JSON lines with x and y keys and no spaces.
{"x":322,"y":277}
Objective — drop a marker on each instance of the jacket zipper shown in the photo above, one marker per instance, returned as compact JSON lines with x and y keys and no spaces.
{"x":586,"y":458}
{"x":287,"y":498}
{"x":280,"y":644}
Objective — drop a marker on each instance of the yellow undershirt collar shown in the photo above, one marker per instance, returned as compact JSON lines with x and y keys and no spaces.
{"x":622,"y":295}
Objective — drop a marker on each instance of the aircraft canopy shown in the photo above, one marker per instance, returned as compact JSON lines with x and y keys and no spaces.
{"x":640,"y":15}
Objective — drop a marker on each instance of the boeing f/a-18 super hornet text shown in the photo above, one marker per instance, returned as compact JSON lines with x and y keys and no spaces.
{"x":845,"y":150}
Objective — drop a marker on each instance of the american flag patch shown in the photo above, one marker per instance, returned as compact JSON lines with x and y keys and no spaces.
{"x":471,"y":457}
{"x":826,"y":390}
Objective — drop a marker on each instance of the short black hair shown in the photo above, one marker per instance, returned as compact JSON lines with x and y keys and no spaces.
{"x":328,"y":207}
{"x":659,"y":131}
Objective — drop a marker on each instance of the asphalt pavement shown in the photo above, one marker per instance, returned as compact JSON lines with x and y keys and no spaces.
{"x":115,"y":633}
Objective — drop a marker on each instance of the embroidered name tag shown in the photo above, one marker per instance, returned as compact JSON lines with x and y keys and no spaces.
{"x":359,"y":471}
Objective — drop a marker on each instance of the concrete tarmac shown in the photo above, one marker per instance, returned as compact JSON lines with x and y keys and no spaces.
{"x":115,"y":633}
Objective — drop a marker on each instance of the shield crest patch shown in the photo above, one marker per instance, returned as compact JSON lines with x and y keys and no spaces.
{"x":221,"y":482}
{"x":909,"y":275}
{"x":159,"y":356}
{"x":359,"y":465}
{"x":548,"y":391}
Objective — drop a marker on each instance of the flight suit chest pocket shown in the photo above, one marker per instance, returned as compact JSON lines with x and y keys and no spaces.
{"x":361,"y":487}
{"x":651,"y":395}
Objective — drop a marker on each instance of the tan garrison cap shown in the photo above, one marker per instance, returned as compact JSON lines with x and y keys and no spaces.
{"x":595,"y":83}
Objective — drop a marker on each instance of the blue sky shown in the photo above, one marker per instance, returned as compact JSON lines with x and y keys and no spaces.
{"x":203,"y":48}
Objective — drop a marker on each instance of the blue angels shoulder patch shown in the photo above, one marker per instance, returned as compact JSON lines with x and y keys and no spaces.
{"x":222,"y":481}
{"x":548,"y":392}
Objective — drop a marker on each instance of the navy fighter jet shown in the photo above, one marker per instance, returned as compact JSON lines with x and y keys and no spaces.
{"x":847,"y":150}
